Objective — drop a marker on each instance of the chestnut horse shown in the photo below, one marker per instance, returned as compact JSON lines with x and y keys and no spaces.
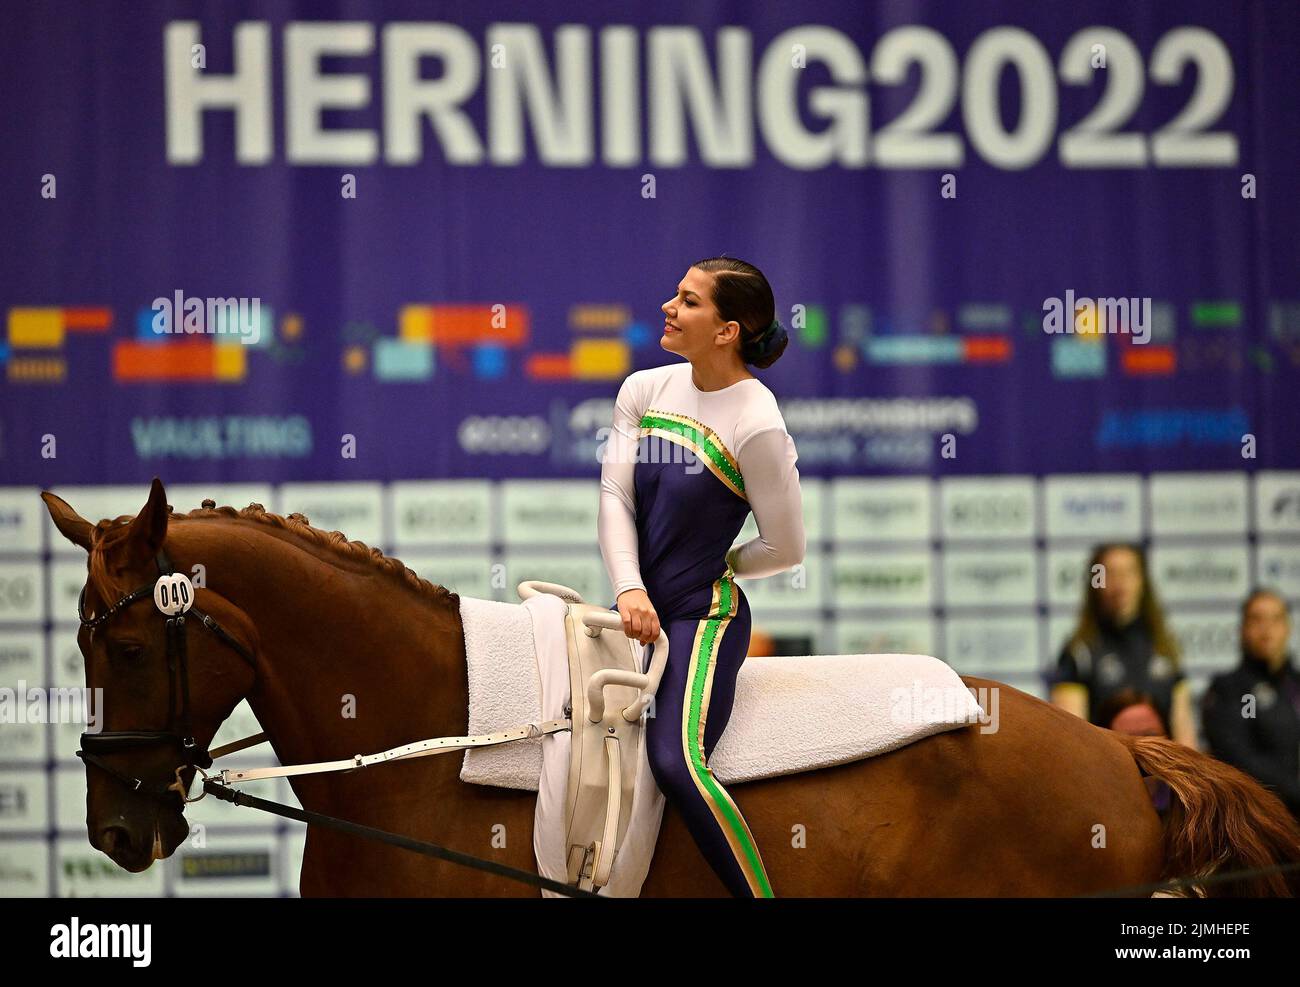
{"x":1045,"y":805}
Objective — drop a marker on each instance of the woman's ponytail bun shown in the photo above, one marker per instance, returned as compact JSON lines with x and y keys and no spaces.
{"x":763,"y":350}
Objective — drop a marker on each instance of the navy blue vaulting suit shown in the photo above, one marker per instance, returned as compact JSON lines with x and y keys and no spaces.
{"x":690,"y":509}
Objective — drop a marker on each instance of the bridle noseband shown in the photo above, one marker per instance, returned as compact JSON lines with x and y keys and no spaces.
{"x":173,"y":595}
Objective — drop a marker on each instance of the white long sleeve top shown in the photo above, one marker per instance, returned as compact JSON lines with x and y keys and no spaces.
{"x":744,"y":420}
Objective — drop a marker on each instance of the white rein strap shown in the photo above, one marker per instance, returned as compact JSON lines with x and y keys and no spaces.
{"x":422,"y":748}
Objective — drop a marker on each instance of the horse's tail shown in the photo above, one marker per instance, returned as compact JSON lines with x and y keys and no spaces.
{"x":1221,"y":820}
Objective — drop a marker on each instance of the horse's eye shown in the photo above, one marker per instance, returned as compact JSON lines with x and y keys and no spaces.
{"x":127,"y":651}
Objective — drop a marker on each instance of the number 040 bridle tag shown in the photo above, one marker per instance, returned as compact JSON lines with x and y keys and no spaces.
{"x":173,"y":593}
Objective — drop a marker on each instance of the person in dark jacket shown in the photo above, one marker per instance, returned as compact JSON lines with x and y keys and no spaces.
{"x":1251,"y":715}
{"x":1122,"y":641}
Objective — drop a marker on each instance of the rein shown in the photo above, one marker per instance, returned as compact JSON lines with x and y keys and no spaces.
{"x":236,"y":797}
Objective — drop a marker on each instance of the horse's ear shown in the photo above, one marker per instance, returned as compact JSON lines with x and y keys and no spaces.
{"x":71,"y":525}
{"x":150,"y":526}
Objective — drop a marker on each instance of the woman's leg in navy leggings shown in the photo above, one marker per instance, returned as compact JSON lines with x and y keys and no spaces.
{"x":690,"y":713}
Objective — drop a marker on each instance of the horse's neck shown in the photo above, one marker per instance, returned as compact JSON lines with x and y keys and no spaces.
{"x":350,"y":661}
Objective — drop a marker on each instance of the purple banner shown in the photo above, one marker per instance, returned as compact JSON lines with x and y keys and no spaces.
{"x":1015,"y":238}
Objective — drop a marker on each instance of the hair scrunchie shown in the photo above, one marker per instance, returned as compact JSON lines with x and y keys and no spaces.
{"x":768,"y":340}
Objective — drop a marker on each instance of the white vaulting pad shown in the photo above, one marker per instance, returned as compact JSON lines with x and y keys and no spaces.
{"x":814,"y":711}
{"x":504,"y":691}
{"x":791,"y":714}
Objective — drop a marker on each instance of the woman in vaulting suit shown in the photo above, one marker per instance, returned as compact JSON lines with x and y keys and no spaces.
{"x":696,"y":446}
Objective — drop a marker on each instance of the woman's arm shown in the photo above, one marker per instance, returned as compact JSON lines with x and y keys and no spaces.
{"x":1181,"y":723}
{"x":767,"y":463}
{"x":616,"y":520}
{"x":1071,"y":697}
{"x":1069,"y":690}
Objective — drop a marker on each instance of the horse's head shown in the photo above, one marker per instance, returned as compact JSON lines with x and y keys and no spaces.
{"x":167,"y":684}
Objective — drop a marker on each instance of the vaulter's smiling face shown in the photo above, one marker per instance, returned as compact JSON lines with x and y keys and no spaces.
{"x":690,"y":319}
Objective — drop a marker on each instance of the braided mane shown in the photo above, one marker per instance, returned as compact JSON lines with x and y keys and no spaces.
{"x":109,"y":533}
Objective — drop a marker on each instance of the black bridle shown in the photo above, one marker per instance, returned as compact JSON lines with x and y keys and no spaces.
{"x":179,"y":730}
{"x":196,"y":757}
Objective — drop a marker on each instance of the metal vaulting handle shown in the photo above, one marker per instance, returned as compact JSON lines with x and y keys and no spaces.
{"x":608,"y":849}
{"x":648,"y":683}
{"x":535,"y":587}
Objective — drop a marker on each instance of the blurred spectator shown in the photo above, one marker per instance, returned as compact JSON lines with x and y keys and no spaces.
{"x":760,"y":644}
{"x":1134,"y":713}
{"x":1251,"y":715}
{"x":1122,"y":642}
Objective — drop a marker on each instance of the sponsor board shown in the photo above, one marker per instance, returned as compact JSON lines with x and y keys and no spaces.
{"x":1099,"y":508}
{"x":1277,"y":502}
{"x":24,"y":868}
{"x":1208,"y":638}
{"x":1066,"y":575}
{"x":22,"y":592}
{"x":81,"y":871}
{"x":886,"y":635}
{"x":356,"y":509}
{"x":1277,"y":566}
{"x":988,"y":507}
{"x":886,"y":509}
{"x":1198,"y":503}
{"x":996,"y":646}
{"x":583,"y":571}
{"x":1202,"y":572}
{"x":21,"y":528}
{"x":441,"y":512}
{"x":997,"y":577}
{"x":468,"y":573}
{"x":882,"y":579}
{"x":551,"y":512}
{"x":24,"y":801}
